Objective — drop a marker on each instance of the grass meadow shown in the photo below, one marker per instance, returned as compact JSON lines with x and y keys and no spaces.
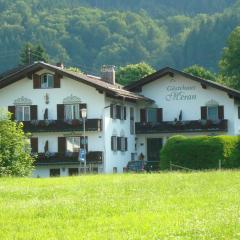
{"x":133,"y":206}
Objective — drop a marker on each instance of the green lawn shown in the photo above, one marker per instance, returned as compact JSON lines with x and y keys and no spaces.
{"x":148,"y":206}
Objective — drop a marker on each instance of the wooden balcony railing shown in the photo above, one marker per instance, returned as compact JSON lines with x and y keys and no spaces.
{"x":61,"y":125}
{"x":67,"y":158}
{"x":183,"y":126}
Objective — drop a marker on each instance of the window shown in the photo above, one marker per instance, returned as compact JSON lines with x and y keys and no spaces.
{"x":114,"y":143}
{"x":73,"y":171}
{"x":118,"y":112}
{"x":47,"y":81}
{"x":122,"y":113}
{"x":122,"y":146}
{"x":73,"y":144}
{"x":113,"y":111}
{"x":23,"y":113}
{"x":239,"y":112}
{"x":152,"y":115}
{"x":212,"y":113}
{"x":71,"y":111}
{"x":55,"y":172}
{"x":132,"y":123}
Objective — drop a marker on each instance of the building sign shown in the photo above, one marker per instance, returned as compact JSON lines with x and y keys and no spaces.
{"x":181,"y":93}
{"x":81,"y":156}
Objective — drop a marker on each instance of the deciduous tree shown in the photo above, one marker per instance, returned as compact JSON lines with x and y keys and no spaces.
{"x":15,"y":158}
{"x":133,"y":72}
{"x":200,"y":72}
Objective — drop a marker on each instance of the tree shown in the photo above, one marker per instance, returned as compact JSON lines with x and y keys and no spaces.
{"x":15,"y":158}
{"x":200,"y":72}
{"x":39,"y":54}
{"x":73,"y":69}
{"x":25,"y":54}
{"x":31,"y":53}
{"x":133,"y":72}
{"x":230,"y":61}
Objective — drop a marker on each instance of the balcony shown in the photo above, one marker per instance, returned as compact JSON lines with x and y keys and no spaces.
{"x":61,"y":125}
{"x":67,"y":158}
{"x":183,"y":126}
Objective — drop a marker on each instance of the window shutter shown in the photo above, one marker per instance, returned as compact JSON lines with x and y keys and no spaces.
{"x":125,"y":113}
{"x":81,"y":106}
{"x":111,"y":111}
{"x":60,"y":112}
{"x":221,"y":112}
{"x":118,"y":110}
{"x":112,"y":143}
{"x":126,"y":144}
{"x":119,"y":143}
{"x":36,"y":81}
{"x":57,"y":80}
{"x":159,"y":115}
{"x":204,"y":113}
{"x":142,"y":115}
{"x":33,"y":112}
{"x":62,"y":145}
{"x":12,"y":110}
{"x":34,"y":145}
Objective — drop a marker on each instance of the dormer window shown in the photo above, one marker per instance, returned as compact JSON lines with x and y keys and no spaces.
{"x":47,"y":80}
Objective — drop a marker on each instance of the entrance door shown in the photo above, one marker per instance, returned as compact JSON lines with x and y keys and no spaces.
{"x":154,"y":146}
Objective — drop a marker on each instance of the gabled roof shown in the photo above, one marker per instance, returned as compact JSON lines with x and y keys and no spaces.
{"x":170,"y":71}
{"x":111,"y":90}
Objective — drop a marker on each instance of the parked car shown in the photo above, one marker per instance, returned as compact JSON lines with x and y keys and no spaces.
{"x":136,"y":166}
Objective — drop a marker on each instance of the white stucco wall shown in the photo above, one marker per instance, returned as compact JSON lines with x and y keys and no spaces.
{"x":160,"y":91}
{"x":24,"y":87}
{"x":117,"y":159}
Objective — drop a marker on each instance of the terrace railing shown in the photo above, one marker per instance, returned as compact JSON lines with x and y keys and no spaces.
{"x":182,"y":126}
{"x":92,"y":157}
{"x":62,"y":125}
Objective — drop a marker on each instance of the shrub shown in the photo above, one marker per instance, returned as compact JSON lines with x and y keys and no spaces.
{"x":201,"y":152}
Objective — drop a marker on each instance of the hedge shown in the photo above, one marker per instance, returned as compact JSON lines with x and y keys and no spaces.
{"x":201,"y":152}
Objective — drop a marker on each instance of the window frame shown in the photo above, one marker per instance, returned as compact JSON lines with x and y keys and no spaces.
{"x":217,"y":116}
{"x":75,"y":115}
{"x":114,"y":139}
{"x":122,"y":144}
{"x":74,"y":149}
{"x":122,"y":112}
{"x":47,"y":75}
{"x":24,"y":107}
{"x":147,"y":117}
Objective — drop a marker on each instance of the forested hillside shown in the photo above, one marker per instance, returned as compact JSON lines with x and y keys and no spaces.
{"x":90,"y":33}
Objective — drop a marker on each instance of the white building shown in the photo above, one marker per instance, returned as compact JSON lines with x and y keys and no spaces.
{"x":121,"y":124}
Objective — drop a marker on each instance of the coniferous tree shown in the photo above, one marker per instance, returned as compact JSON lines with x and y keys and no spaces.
{"x":25,"y":54}
{"x":31,"y":53}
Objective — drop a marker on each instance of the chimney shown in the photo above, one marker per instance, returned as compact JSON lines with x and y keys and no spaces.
{"x":108,"y":74}
{"x":60,"y":65}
